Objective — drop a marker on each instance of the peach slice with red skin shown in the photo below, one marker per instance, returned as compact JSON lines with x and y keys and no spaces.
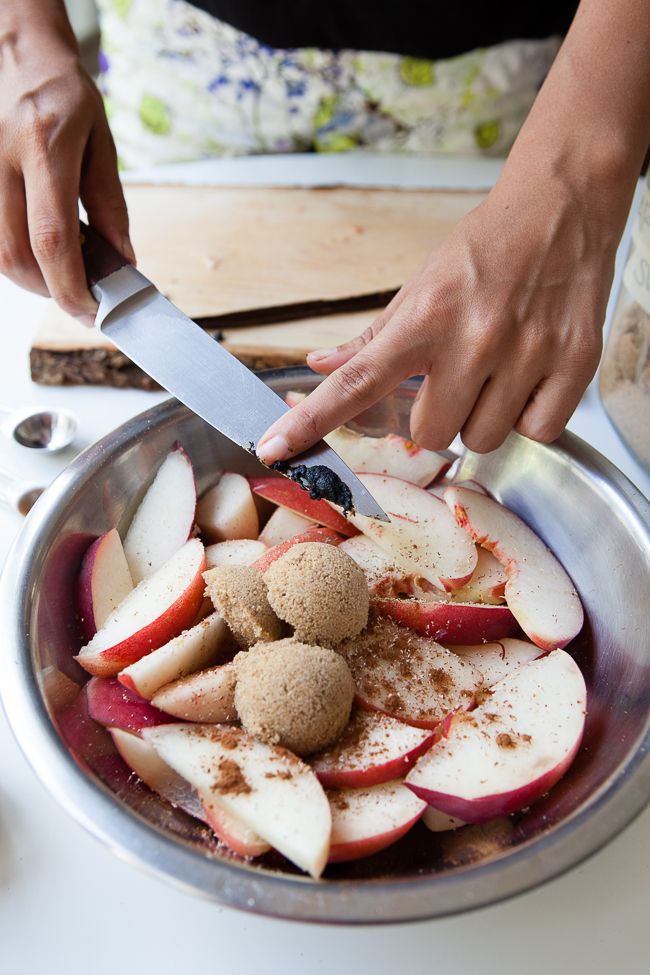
{"x":165,"y":518}
{"x":439,"y":822}
{"x":104,"y":581}
{"x":208,"y":696}
{"x":365,"y":821}
{"x":326,"y":535}
{"x":205,"y":644}
{"x":283,"y":525}
{"x":488,"y":581}
{"x":408,"y":677}
{"x":289,"y":494}
{"x":148,"y":766}
{"x":153,"y":613}
{"x":539,"y":592}
{"x":391,"y":454}
{"x":227,"y":511}
{"x":422,"y":536}
{"x":498,"y":660}
{"x":234,"y":551}
{"x":510,"y":750}
{"x":231,"y":831}
{"x":372,"y":749}
{"x":115,"y":706}
{"x":140,"y":756}
{"x":451,"y":623}
{"x":293,"y":397}
{"x":265,"y":787}
{"x":384,"y":576}
{"x":82,"y":735}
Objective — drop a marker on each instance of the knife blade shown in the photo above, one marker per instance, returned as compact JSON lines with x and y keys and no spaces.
{"x":184,"y":360}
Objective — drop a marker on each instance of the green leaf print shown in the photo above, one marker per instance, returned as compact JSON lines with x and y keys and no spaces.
{"x":416,"y":72}
{"x":337,"y":142}
{"x":155,"y":115}
{"x":487,"y":134}
{"x":326,"y":110}
{"x":214,"y":147}
{"x":122,"y":7}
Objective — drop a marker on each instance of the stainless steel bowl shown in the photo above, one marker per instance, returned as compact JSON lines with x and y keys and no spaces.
{"x":588,"y":513}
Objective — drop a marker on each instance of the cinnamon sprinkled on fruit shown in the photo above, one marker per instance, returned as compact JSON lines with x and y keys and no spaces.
{"x":231,"y":780}
{"x":230,"y":738}
{"x":406,"y":675}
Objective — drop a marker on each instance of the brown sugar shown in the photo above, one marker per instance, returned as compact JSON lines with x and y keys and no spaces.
{"x":293,"y":694}
{"x":320,"y":591}
{"x":239,"y":593}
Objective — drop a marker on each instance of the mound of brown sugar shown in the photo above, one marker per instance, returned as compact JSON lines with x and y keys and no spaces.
{"x":320,"y":591}
{"x":239,"y":594}
{"x":293,"y":694}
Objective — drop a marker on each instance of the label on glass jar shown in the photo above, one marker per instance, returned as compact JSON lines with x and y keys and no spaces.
{"x":636,"y":276}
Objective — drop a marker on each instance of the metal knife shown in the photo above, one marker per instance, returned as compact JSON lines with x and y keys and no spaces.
{"x":179,"y":355}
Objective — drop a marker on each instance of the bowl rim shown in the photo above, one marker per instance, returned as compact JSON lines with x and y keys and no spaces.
{"x":533,"y":862}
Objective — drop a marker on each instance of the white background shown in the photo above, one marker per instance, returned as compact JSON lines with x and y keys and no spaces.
{"x":68,"y":906}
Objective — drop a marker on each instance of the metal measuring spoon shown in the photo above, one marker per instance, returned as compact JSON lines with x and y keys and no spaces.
{"x":18,"y":494}
{"x":45,"y":430}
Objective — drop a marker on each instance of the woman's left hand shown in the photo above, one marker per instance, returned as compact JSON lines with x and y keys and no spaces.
{"x":504,"y":318}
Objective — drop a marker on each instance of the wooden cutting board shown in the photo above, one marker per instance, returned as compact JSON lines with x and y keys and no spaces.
{"x":65,"y":353}
{"x":216,"y":251}
{"x":318,"y":261}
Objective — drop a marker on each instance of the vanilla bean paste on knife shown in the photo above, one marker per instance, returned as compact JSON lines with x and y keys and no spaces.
{"x":321,"y":482}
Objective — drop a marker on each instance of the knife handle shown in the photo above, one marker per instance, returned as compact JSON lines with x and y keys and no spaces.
{"x":100,"y":258}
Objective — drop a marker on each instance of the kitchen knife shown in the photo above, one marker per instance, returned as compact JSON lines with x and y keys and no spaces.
{"x":179,"y":355}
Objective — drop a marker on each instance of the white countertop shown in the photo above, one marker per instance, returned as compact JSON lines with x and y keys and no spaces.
{"x":68,"y":906}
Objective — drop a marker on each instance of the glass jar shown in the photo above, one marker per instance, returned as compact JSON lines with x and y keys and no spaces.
{"x":625,"y":372}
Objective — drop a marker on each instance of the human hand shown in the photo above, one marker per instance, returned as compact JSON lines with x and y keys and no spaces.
{"x":503,"y":319}
{"x":55,"y":147}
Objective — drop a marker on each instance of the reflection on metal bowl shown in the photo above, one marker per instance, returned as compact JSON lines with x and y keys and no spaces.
{"x":587,"y":512}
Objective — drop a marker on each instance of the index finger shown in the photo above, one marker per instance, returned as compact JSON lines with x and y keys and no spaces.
{"x":359,"y":383}
{"x":53,"y":221}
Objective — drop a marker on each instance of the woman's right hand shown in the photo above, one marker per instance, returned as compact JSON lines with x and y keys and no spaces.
{"x":55,"y":148}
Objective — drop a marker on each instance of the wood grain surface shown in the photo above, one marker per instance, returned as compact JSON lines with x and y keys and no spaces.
{"x":318,"y":263}
{"x":64,"y":352}
{"x":221,"y":250}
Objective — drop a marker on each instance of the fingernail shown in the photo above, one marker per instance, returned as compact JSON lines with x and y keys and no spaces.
{"x":321,"y":354}
{"x":274,"y":449}
{"x":127,"y":250}
{"x":87,"y":320}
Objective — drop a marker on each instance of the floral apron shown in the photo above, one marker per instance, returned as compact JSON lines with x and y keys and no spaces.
{"x":180,"y":85}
